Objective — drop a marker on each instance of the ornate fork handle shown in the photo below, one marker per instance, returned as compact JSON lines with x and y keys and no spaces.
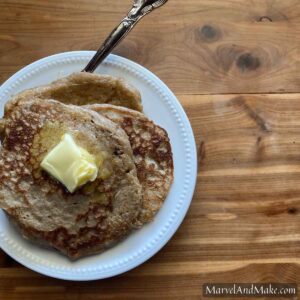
{"x":140,"y":9}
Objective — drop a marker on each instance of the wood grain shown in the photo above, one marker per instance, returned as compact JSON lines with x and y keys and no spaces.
{"x":203,"y":47}
{"x":235,"y":67}
{"x":243,"y":224}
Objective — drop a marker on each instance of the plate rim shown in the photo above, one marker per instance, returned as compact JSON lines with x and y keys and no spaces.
{"x":136,"y":69}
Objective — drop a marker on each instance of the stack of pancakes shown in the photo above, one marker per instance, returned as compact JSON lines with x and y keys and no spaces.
{"x":104,"y":116}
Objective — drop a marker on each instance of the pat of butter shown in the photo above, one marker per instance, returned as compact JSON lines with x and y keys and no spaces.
{"x":70,"y":164}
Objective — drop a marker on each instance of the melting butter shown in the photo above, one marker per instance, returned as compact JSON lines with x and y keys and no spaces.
{"x":70,"y":164}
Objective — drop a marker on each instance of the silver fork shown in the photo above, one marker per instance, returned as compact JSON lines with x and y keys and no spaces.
{"x":139,"y":9}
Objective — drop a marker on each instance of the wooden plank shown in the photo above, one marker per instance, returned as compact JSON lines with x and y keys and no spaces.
{"x":136,"y":285}
{"x":243,"y":224}
{"x":248,"y":191}
{"x":203,"y":47}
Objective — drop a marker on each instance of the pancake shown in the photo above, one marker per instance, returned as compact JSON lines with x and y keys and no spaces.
{"x":85,"y":88}
{"x":95,"y":216}
{"x":1,"y":130}
{"x":152,"y":156}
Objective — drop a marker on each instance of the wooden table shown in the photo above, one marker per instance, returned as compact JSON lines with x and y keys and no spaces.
{"x":235,"y":66}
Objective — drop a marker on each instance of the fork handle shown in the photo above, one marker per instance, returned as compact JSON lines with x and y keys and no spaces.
{"x":110,"y":43}
{"x":139,"y":9}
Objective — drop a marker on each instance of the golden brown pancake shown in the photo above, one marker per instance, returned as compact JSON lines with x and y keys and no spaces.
{"x":83,"y":89}
{"x":152,"y":156}
{"x":95,"y":216}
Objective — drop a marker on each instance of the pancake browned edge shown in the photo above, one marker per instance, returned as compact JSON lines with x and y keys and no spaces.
{"x":94,"y":217}
{"x":152,"y":156}
{"x":85,"y":88}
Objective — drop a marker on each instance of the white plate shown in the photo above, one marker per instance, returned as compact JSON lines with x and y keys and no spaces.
{"x":161,"y":105}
